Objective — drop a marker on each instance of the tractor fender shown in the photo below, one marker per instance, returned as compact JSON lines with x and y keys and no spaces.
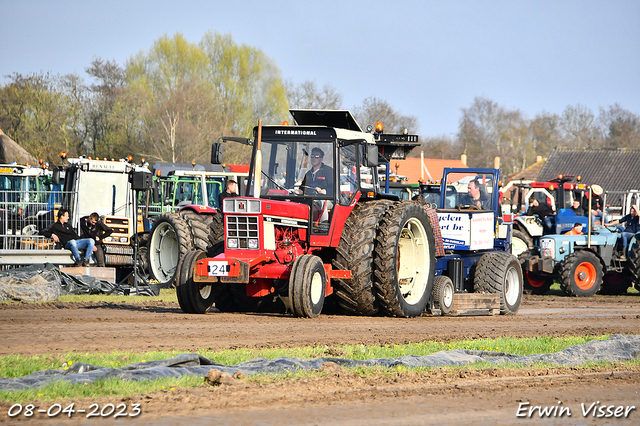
{"x":199,"y":209}
{"x":529,"y":224}
{"x":604,"y":266}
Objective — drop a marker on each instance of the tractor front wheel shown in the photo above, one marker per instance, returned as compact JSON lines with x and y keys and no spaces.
{"x":443,"y":292}
{"x":581,"y":274}
{"x":307,"y":284}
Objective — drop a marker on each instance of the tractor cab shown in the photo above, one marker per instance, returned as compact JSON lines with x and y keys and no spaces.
{"x":325,"y":162}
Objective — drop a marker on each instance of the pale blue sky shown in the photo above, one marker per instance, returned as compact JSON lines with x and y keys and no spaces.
{"x":426,"y":58}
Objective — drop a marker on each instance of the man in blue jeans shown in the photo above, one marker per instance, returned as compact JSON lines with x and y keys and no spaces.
{"x":63,"y":234}
{"x":632,"y":222}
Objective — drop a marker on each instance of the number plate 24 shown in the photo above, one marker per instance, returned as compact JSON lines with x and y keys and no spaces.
{"x":217,"y":268}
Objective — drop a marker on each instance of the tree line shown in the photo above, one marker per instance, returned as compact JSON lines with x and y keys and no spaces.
{"x":170,"y":102}
{"x":488,"y":130}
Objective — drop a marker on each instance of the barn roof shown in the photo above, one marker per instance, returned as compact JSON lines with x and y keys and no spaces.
{"x":615,"y":169}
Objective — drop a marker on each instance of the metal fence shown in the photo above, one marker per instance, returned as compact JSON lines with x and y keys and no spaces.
{"x":23,"y":214}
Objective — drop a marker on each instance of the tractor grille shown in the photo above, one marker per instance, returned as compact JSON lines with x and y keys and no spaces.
{"x":242,"y":232}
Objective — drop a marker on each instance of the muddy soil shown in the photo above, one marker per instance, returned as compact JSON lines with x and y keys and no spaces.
{"x":339,"y":396}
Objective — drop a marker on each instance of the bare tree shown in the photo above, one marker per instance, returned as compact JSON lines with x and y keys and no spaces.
{"x":622,"y":127}
{"x":580,"y":128}
{"x":442,"y":147}
{"x":373,"y":110}
{"x":306,"y":95}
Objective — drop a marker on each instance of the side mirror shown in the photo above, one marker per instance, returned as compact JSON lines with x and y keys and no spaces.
{"x":216,"y":153}
{"x":56,"y":177}
{"x":371,"y":156}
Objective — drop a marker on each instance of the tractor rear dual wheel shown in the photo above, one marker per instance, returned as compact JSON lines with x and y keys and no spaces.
{"x":404,"y":260}
{"x":616,"y":284}
{"x":355,"y":253}
{"x":536,"y":283}
{"x":174,"y":235}
{"x":193,"y":297}
{"x":169,"y":242}
{"x":500,"y":272}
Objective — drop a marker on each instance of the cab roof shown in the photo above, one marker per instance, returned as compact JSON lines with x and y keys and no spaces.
{"x":341,"y":119}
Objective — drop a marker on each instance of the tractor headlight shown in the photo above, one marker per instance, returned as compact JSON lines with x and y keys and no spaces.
{"x":253,"y":243}
{"x":232,"y":243}
{"x":108,"y":239}
{"x":547,"y":247}
{"x":124,"y":239}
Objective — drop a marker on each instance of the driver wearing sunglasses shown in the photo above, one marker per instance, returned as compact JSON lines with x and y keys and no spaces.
{"x":319,"y":179}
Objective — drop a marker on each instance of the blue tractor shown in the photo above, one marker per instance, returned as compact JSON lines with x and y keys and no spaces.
{"x":476,"y":242}
{"x":583,"y":264}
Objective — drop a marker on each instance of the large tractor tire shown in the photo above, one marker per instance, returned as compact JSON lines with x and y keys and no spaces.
{"x":616,"y":284}
{"x":581,"y":274}
{"x":404,"y":260}
{"x":307,"y":284}
{"x":536,"y":283}
{"x":190,"y":214}
{"x":193,"y":297}
{"x":170,"y":241}
{"x":443,"y":293}
{"x":355,"y":253}
{"x":216,"y":234}
{"x":633,"y":265}
{"x":201,"y":227}
{"x":500,"y":272}
{"x":520,"y":242}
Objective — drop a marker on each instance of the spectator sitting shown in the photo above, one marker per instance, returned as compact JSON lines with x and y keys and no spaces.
{"x":542,"y":210}
{"x":576,"y":230}
{"x":63,"y":234}
{"x":632,"y":221}
{"x":577,"y":208}
{"x":92,"y":227}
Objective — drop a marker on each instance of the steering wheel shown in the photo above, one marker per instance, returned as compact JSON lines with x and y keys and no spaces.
{"x":614,"y":229}
{"x":308,"y":190}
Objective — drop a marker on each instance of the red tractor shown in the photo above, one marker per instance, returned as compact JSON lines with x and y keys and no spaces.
{"x":316,"y":225}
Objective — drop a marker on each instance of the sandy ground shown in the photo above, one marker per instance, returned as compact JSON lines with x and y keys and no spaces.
{"x":340,"y":397}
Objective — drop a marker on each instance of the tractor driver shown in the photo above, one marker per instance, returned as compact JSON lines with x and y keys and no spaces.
{"x":319,"y":178}
{"x":476,"y":197}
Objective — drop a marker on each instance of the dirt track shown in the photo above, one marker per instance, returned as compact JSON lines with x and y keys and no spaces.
{"x":341,"y":397}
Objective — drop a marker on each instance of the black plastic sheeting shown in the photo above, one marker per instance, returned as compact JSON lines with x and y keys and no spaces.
{"x":616,"y":348}
{"x":45,"y":282}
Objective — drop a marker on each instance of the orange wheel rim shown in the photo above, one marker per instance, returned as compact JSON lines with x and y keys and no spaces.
{"x":533,"y":281}
{"x":585,"y":275}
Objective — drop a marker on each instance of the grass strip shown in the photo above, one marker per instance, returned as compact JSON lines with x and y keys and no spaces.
{"x":17,"y":366}
{"x":12,"y":366}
